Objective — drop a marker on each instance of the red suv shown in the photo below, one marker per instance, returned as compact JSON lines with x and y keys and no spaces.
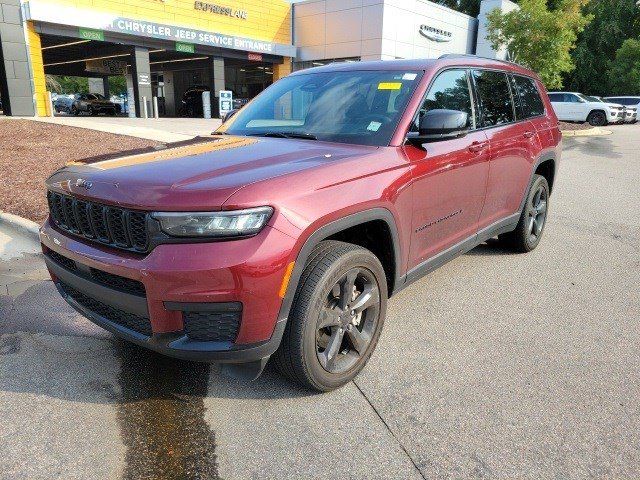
{"x":284,"y":235}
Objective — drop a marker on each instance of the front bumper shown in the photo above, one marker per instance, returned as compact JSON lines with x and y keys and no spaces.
{"x":616,"y":117}
{"x":177,"y":279}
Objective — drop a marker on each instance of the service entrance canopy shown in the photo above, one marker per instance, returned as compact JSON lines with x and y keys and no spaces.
{"x":99,"y":21}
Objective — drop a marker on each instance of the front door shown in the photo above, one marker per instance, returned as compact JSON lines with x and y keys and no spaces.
{"x":449,"y":176}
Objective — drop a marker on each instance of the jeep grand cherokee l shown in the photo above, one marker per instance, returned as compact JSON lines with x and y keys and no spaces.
{"x":286,"y":233}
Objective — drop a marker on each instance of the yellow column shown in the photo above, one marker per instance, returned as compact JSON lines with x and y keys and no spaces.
{"x":282,"y":69}
{"x":39,"y":83}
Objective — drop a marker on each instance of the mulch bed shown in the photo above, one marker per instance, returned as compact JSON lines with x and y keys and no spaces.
{"x":566,"y":126}
{"x":30,"y":151}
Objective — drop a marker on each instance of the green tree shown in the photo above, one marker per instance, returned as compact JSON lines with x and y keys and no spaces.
{"x":624,"y":74}
{"x":613,"y":22}
{"x":539,"y":38}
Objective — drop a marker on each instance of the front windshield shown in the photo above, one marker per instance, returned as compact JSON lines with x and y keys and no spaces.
{"x":594,"y":99}
{"x":585,"y":98}
{"x":358,"y":107}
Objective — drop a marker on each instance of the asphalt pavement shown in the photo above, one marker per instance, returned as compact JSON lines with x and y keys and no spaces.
{"x":494,"y":366}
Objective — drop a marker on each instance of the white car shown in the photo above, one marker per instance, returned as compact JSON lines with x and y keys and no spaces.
{"x":575,"y":107}
{"x":632,"y":104}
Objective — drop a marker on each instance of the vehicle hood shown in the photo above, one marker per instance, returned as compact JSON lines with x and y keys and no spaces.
{"x":614,"y":105}
{"x":197,"y":176}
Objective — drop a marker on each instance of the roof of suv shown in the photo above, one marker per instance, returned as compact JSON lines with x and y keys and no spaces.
{"x":421,"y":64}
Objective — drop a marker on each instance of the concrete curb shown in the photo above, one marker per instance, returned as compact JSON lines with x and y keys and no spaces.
{"x":592,"y":132}
{"x":24,"y":225}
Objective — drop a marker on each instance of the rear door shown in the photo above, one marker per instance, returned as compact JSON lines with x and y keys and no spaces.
{"x":449,"y":176}
{"x":513,"y":144}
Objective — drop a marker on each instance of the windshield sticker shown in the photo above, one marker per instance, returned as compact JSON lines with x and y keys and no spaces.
{"x":374,"y":126}
{"x":409,"y":76}
{"x":389,"y":85}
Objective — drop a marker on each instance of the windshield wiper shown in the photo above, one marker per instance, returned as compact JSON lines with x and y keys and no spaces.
{"x":305,"y":136}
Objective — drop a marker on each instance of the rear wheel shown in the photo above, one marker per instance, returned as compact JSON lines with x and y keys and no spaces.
{"x":597,"y":119}
{"x":533,"y":218}
{"x":336,"y":318}
{"x":90,"y":110}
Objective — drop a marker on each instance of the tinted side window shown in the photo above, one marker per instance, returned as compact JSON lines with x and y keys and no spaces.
{"x":556,"y":97}
{"x":530,"y":102}
{"x":494,"y":97}
{"x":449,"y":91}
{"x":570,"y":98}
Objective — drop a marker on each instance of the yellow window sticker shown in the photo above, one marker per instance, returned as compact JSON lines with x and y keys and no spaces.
{"x":389,"y":85}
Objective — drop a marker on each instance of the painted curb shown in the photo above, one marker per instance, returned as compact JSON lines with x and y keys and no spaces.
{"x":592,"y":132}
{"x":22,"y":224}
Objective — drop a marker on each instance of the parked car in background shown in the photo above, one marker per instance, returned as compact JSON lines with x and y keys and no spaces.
{"x":93,"y":104}
{"x":63,"y":103}
{"x":631,"y":102}
{"x":628,"y":113}
{"x":575,"y":107}
{"x":285,"y":236}
{"x":191,"y":104}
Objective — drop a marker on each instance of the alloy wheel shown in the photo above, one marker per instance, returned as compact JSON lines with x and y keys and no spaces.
{"x":348,"y":320}
{"x":537,"y":213}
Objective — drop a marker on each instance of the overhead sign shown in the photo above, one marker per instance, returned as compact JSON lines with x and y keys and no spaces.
{"x":90,"y":34}
{"x":108,"y":66}
{"x":435,"y":34}
{"x":92,"y":20}
{"x":185,"y":47}
{"x":225,"y":102}
{"x":220,"y":10}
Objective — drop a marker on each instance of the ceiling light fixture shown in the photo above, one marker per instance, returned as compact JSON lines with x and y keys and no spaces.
{"x":60,"y":45}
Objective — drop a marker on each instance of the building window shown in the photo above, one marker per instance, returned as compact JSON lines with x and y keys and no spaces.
{"x":319,"y":63}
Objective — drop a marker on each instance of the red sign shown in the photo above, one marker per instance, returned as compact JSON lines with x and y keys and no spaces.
{"x":254,"y":57}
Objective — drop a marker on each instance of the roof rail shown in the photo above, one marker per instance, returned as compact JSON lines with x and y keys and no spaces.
{"x":469,"y":55}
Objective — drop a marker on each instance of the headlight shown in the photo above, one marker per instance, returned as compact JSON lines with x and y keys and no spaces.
{"x":234,"y":223}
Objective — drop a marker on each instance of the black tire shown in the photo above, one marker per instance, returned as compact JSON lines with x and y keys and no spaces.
{"x":90,"y":110}
{"x":527,"y":235}
{"x":597,"y":119}
{"x":299,"y":355}
{"x":75,"y":110}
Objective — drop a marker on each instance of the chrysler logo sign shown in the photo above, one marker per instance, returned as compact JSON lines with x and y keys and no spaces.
{"x":435,"y":34}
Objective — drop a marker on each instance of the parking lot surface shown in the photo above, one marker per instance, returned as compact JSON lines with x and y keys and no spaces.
{"x":494,"y":366}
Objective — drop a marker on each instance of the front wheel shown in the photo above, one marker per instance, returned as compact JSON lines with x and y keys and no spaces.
{"x":533,"y":218}
{"x":336,"y":318}
{"x":597,"y":119}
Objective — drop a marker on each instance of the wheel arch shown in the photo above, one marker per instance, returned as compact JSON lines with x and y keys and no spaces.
{"x":547,"y":163}
{"x":379,"y":219}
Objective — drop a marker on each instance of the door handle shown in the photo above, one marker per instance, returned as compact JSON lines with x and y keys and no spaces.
{"x":529,"y":134}
{"x":477,"y":146}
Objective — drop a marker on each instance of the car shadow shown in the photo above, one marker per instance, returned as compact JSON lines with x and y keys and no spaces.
{"x":490,"y":248}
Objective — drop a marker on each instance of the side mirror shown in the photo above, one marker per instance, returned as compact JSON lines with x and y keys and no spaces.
{"x":230,"y":114}
{"x":441,"y":124}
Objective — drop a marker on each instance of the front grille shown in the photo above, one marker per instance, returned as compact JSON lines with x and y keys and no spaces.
{"x":212,"y":326}
{"x":113,"y":226}
{"x":128,"y":320}
{"x":126,"y":285}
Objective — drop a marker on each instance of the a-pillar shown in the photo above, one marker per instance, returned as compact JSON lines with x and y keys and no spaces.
{"x":141,"y":71}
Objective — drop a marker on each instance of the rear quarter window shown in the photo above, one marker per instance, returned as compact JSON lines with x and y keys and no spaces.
{"x":531,"y":104}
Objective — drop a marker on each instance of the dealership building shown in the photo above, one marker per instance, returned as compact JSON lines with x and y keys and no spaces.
{"x":168,"y":48}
